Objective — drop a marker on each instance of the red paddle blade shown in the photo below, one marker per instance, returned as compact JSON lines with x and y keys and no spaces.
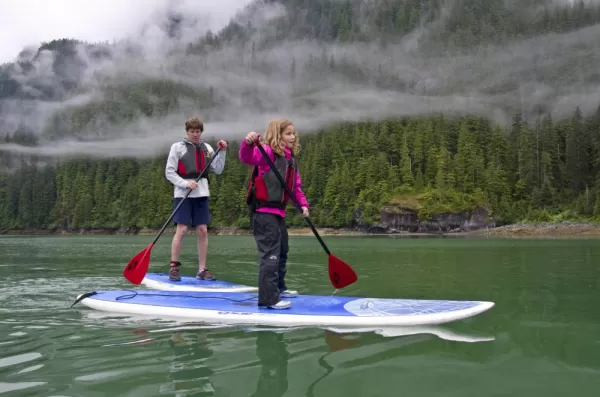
{"x":136,"y":269}
{"x":340,"y":273}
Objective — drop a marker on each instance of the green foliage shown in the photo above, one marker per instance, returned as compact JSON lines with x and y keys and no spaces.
{"x":424,"y":165}
{"x":438,"y":201}
{"x":538,"y":170}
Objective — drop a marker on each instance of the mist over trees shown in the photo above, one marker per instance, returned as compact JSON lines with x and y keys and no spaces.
{"x":536,"y":166}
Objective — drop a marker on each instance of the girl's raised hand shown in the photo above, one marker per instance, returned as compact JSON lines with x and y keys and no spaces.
{"x":252,"y":137}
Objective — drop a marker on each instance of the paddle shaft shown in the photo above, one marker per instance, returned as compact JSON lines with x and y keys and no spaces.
{"x":292,"y":196}
{"x":185,"y":197}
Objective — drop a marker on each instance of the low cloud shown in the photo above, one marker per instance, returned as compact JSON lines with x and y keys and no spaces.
{"x":293,"y":79}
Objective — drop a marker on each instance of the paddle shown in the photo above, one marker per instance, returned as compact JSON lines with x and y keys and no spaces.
{"x":340,"y":273}
{"x":136,"y":269}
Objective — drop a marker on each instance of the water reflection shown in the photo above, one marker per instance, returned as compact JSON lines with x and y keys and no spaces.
{"x":188,"y":372}
{"x":273,"y":356}
{"x":199,"y":354}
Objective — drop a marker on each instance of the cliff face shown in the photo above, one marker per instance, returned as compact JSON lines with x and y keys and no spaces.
{"x":395,"y":219}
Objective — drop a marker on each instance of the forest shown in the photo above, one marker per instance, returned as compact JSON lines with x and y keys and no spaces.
{"x":536,"y":168}
{"x":530,"y":172}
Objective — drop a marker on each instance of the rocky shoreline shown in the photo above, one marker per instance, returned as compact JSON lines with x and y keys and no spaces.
{"x":542,"y":229}
{"x":547,"y":229}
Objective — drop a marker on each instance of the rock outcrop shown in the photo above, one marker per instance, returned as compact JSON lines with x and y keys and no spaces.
{"x":398,"y":219}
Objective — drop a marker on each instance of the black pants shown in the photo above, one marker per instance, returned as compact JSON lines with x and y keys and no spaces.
{"x":270,"y":233}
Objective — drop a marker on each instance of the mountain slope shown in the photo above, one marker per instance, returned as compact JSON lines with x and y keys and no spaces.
{"x":460,"y":103}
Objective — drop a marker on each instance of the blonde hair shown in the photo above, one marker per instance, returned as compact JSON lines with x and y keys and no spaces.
{"x":273,"y":134}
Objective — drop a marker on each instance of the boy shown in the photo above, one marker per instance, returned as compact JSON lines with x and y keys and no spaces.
{"x":186,"y":161}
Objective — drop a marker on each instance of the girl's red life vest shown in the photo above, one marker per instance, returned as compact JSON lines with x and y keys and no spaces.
{"x":193,"y":161}
{"x":266,"y":190}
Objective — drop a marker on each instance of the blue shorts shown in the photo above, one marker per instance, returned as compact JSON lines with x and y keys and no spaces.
{"x":192,"y":212}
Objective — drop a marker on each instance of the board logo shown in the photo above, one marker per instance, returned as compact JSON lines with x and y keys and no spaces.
{"x":234,"y":313}
{"x":367,"y":305}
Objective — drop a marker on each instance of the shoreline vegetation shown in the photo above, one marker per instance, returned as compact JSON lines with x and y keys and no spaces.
{"x":541,"y":229}
{"x":442,"y":172}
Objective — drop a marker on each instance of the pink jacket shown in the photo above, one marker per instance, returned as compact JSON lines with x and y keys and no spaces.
{"x":251,"y":155}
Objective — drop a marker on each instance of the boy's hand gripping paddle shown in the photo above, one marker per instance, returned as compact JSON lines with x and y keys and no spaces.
{"x":136,"y":269}
{"x":340,"y":273}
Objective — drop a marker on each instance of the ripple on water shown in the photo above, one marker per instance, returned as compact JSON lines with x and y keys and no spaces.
{"x":18,"y":359}
{"x":6,"y":387}
{"x":30,"y":369}
{"x":8,"y":363}
{"x":45,"y":294}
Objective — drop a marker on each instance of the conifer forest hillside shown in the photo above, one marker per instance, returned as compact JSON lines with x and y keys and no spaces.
{"x":430,"y":106}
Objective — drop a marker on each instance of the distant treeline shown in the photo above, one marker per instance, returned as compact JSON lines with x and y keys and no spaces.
{"x":530,"y":171}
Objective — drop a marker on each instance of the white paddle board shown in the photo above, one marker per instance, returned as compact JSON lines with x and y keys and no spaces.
{"x":242,"y":308}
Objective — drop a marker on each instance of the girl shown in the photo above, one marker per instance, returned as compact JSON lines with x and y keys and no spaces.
{"x":268,"y":199}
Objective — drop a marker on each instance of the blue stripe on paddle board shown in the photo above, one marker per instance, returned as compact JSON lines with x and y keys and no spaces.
{"x":312,"y":305}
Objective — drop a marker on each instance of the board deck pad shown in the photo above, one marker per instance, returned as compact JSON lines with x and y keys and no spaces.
{"x":160,"y":281}
{"x":306,"y":309}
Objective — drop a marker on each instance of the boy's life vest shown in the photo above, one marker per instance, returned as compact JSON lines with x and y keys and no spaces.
{"x":266,"y":190}
{"x":193,"y":161}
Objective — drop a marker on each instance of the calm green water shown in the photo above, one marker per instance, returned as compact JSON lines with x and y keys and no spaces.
{"x":541,"y":339}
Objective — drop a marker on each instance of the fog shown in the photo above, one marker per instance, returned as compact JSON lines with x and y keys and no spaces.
{"x":554,"y":73}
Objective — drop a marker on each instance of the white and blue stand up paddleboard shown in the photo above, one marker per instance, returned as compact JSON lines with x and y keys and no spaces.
{"x":306,"y":310}
{"x":160,"y":281}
